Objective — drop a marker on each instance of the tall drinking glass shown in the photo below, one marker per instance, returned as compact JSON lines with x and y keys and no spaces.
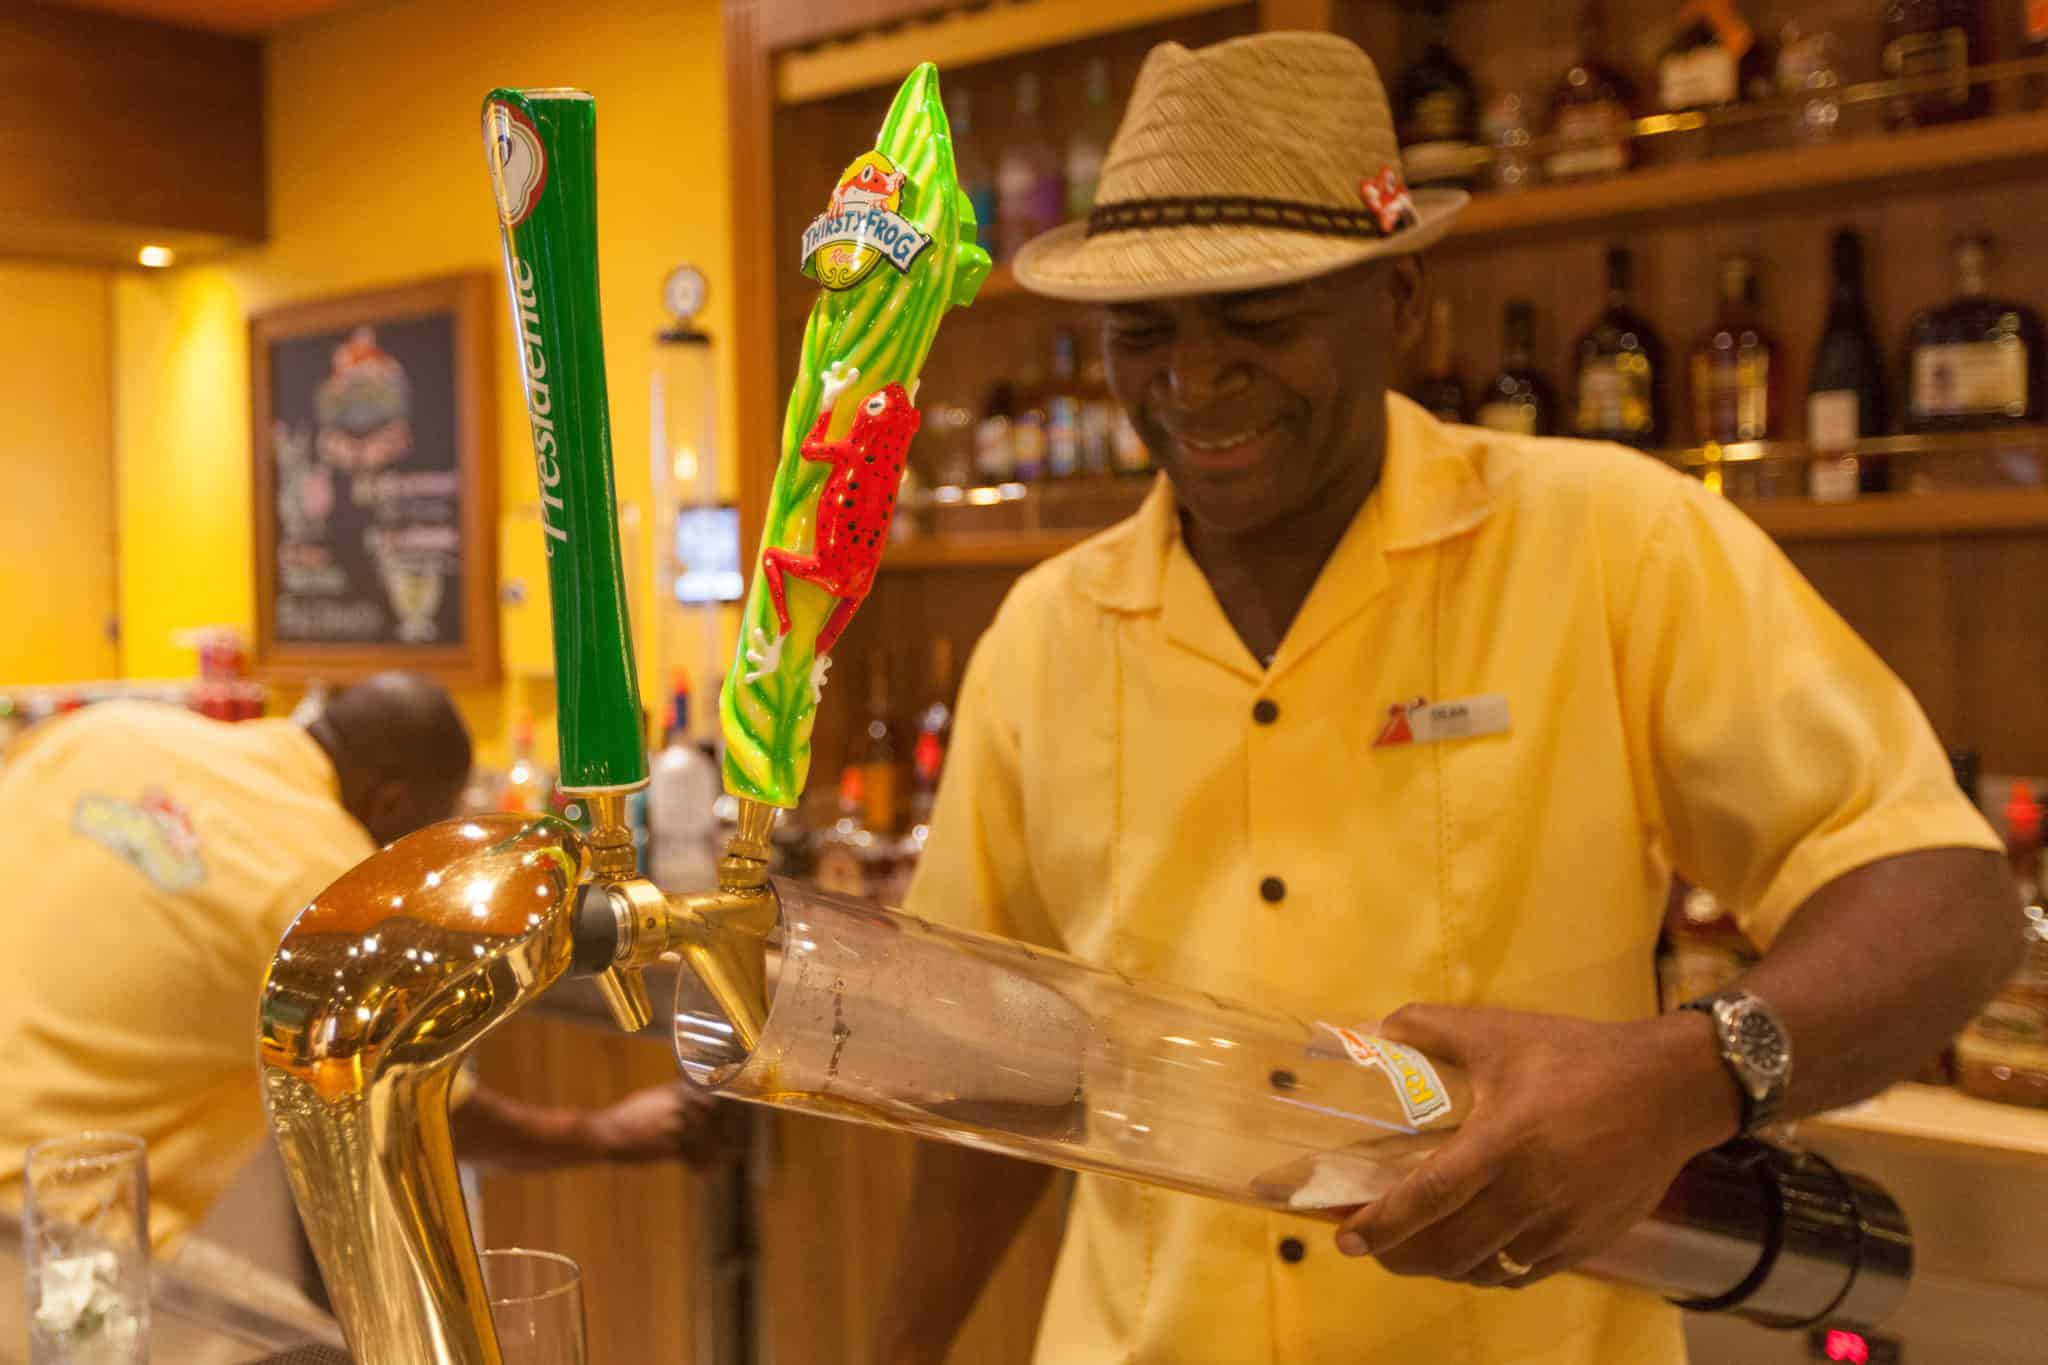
{"x":536,"y":1300}
{"x":85,"y":1248}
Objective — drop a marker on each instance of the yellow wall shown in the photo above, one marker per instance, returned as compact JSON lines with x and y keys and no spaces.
{"x":56,"y":448}
{"x":377,"y":178}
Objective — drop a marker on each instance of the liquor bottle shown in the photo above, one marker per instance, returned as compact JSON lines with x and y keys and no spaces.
{"x":1735,"y":369}
{"x":1028,"y":425}
{"x":526,"y":786}
{"x":1618,"y":376}
{"x":1063,"y":409}
{"x":1714,"y":59}
{"x":878,"y":754}
{"x":1099,"y":415}
{"x":1976,"y":362}
{"x":1091,"y":142}
{"x":1439,"y":108}
{"x":682,"y":831}
{"x":1439,"y":390}
{"x":927,"y":761}
{"x":1519,"y":399}
{"x":1592,"y":112}
{"x":1128,"y":453}
{"x":995,"y":449}
{"x":971,"y":165}
{"x":1929,"y":37}
{"x":1845,"y":400}
{"x":1030,"y":191}
{"x":1505,"y":126}
{"x":837,"y":862}
{"x":1809,"y":75}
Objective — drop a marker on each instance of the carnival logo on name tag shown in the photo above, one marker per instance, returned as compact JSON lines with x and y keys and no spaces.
{"x":1424,"y":722}
{"x":862,"y":228}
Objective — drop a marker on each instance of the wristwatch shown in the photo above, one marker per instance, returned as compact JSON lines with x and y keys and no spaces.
{"x":1755,"y":1049}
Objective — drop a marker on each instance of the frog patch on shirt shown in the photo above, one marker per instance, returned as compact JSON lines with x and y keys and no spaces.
{"x":154,"y":833}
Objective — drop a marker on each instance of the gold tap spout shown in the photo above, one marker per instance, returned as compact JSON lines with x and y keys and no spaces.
{"x":378,"y":990}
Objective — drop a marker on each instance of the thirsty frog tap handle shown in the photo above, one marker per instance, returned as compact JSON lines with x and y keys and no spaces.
{"x":541,"y":146}
{"x":892,"y":251}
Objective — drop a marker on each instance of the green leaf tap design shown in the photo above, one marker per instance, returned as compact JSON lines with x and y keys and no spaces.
{"x":893,"y":249}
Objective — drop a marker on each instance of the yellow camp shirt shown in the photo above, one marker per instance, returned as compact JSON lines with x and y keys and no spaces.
{"x":155,"y":858}
{"x":1675,"y":696}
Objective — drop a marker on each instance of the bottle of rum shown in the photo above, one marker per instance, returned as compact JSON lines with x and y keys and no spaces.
{"x":1063,"y":409}
{"x":1618,"y":378}
{"x":1713,"y":59}
{"x":1845,"y":400}
{"x":1099,"y":414}
{"x":1030,"y":190}
{"x":878,"y":754}
{"x":1935,"y":37}
{"x":1028,"y":425}
{"x":971,"y":164}
{"x":927,"y":761}
{"x":1090,"y":146}
{"x":1735,"y":369}
{"x":1976,"y":362}
{"x":1519,"y":399}
{"x":1439,"y":389}
{"x":1439,"y":108}
{"x":1592,"y":112}
{"x":995,"y":447}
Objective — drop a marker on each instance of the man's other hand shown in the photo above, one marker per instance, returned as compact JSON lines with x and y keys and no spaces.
{"x":1577,"y":1129}
{"x":666,"y":1123}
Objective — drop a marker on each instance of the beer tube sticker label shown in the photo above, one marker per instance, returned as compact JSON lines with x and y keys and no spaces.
{"x":519,"y":164}
{"x":861,"y":228}
{"x":1416,"y":1085}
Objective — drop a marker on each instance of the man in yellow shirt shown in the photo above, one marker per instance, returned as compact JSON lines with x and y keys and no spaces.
{"x":1392,"y":720}
{"x":156,"y":858}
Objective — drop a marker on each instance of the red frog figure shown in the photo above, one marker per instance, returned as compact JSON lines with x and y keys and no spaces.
{"x":854,"y":511}
{"x":870,"y":187}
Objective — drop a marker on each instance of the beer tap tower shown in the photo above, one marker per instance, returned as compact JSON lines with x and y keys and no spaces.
{"x":814,"y":1002}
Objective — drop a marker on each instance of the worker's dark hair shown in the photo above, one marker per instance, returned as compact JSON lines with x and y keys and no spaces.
{"x":398,"y":725}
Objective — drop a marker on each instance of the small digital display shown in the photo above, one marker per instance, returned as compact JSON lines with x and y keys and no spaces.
{"x":708,"y":555}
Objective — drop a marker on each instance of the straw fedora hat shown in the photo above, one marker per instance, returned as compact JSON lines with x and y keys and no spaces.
{"x":1248,"y":164}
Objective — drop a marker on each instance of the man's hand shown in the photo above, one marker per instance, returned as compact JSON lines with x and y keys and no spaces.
{"x":665,"y":1123}
{"x":1577,"y":1129}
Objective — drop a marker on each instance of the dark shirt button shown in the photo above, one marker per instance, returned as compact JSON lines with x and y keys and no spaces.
{"x":1273,"y":889}
{"x":1291,"y":1250}
{"x":1266,"y":711}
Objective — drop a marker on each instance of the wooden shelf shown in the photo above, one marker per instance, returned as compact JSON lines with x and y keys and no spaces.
{"x":1936,"y":1114}
{"x":1903,"y":514}
{"x":982,"y":550}
{"x":962,"y":38}
{"x":2009,"y":143}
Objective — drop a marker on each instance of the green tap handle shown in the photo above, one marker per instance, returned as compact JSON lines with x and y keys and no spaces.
{"x":893,"y":250}
{"x":542,"y":150}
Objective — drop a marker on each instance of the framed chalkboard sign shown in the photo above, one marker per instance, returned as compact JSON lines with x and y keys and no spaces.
{"x":375,"y":485}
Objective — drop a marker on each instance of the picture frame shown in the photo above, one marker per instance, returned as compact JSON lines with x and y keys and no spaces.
{"x":374,"y":485}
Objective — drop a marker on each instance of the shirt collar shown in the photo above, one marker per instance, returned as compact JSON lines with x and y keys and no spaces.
{"x":1438,"y":483}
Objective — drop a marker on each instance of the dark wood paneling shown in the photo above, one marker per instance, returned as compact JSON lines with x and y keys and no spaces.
{"x":798,"y":23}
{"x":118,"y":121}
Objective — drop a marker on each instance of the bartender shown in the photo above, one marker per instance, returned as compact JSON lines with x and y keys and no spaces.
{"x":156,"y":858}
{"x":1399,"y":721}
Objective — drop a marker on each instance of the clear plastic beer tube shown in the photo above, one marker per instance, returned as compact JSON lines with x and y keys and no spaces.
{"x":885,"y":1018}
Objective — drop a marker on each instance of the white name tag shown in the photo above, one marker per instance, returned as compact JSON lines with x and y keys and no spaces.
{"x":1426,"y":722}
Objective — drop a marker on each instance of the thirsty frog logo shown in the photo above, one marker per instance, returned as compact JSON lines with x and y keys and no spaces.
{"x":154,"y":833}
{"x":862,"y":227}
{"x":1417,"y":1088}
{"x":519,"y":164}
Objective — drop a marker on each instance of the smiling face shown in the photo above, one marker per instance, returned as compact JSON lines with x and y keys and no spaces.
{"x":1256,"y":405}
